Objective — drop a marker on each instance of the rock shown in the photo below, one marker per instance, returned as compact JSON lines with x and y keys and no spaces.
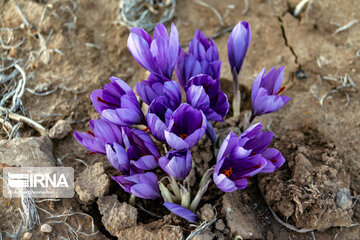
{"x":60,"y":129}
{"x":207,"y":212}
{"x":207,"y":235}
{"x":116,"y":216}
{"x":220,"y":225}
{"x":27,"y":235}
{"x":92,"y":183}
{"x":343,"y":198}
{"x":46,"y":228}
{"x":144,"y":232}
{"x":240,"y":218}
{"x":27,"y":152}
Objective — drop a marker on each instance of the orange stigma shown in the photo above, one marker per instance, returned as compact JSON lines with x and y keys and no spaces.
{"x":183,"y":136}
{"x":227,"y":172}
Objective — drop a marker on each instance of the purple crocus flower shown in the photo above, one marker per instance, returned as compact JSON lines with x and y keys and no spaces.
{"x":257,"y":141}
{"x":202,"y":48}
{"x":177,"y":163}
{"x":203,"y":58}
{"x":158,"y":117}
{"x":117,"y":103}
{"x":141,"y":149}
{"x":118,"y":157}
{"x":142,"y":185}
{"x":238,"y":44}
{"x":235,"y":164}
{"x":102,"y":133}
{"x":158,"y":54}
{"x":265,"y":92}
{"x":181,"y":211}
{"x":156,"y":86}
{"x":186,"y":126}
{"x":203,"y":92}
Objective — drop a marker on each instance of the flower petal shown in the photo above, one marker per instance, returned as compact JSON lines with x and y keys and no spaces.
{"x":181,"y":211}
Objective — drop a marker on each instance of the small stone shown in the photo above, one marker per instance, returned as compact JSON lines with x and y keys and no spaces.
{"x":300,"y":74}
{"x":27,"y":235}
{"x":241,"y":219}
{"x":220,"y":225}
{"x":46,"y":228}
{"x":92,"y":183}
{"x":60,"y":129}
{"x":116,"y":216}
{"x":27,"y":152}
{"x":343,"y":198}
{"x":207,"y":213}
{"x":207,"y":235}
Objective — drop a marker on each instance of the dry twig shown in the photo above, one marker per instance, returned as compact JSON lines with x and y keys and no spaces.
{"x":346,"y":26}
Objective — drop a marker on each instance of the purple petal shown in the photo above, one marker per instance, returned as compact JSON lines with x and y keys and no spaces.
{"x":256,"y":85}
{"x":142,"y":33}
{"x":228,"y":144}
{"x":177,"y":164}
{"x":197,"y":97}
{"x":161,"y":32}
{"x":260,"y":142}
{"x":223,"y":183}
{"x":118,"y":157}
{"x":181,"y":211}
{"x":90,"y":143}
{"x":274,"y":158}
{"x":146,"y":163}
{"x":173,"y":92}
{"x":238,"y":44}
{"x":156,"y":126}
{"x":210,"y":132}
{"x":187,"y":66}
{"x":123,"y":116}
{"x":140,"y":50}
{"x":175,"y":142}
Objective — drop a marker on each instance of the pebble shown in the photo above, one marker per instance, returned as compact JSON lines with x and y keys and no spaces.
{"x":27,"y":235}
{"x":60,"y":129}
{"x":46,"y":228}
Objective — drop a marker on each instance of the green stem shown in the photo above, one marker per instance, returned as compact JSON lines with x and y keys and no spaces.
{"x":237,"y":94}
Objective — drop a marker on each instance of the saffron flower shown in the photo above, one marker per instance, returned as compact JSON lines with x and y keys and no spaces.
{"x":238,"y":44}
{"x":177,"y":163}
{"x":203,"y":58}
{"x":156,"y":86}
{"x":265,"y":92}
{"x":142,"y":185}
{"x":118,"y":157}
{"x":186,"y":126}
{"x":117,"y":103}
{"x":102,"y":133}
{"x":141,"y":149}
{"x":235,"y":164}
{"x":181,"y":211}
{"x":158,"y":117}
{"x":158,"y":54}
{"x":203,"y":93}
{"x":257,"y":141}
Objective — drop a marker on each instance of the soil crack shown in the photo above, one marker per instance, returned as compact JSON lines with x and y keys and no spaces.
{"x":286,"y":41}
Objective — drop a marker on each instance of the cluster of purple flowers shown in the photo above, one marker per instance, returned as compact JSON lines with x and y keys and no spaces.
{"x":179,"y":125}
